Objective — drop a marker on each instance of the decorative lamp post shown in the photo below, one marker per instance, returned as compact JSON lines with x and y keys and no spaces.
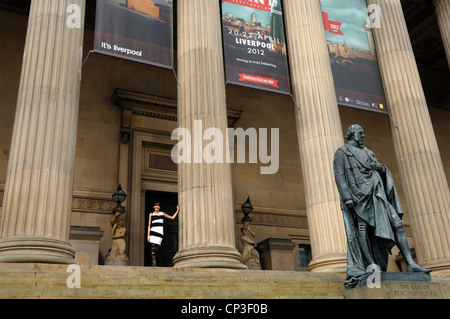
{"x":117,"y":254}
{"x":119,"y":196}
{"x":250,"y":256}
{"x":247,"y":208}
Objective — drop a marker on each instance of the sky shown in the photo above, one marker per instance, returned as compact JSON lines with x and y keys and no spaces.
{"x":352,"y":14}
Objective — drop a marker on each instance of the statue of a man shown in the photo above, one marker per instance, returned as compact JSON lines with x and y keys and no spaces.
{"x":371,"y":209}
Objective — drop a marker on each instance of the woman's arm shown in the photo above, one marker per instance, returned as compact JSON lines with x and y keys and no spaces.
{"x":174,"y":215}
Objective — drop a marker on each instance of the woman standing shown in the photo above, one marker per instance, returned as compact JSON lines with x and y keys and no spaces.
{"x":155,"y":232}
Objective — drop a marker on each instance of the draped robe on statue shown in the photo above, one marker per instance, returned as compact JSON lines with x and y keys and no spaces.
{"x":375,"y":201}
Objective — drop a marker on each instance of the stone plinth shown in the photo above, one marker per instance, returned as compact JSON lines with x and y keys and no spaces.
{"x":85,"y":241}
{"x":402,"y":285}
{"x":276,"y":254}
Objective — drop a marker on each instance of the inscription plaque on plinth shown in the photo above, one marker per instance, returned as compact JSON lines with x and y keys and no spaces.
{"x":397,"y":286}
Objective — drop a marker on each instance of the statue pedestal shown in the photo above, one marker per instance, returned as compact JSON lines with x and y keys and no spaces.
{"x":117,"y":261}
{"x":401,"y":285}
{"x":86,"y":242}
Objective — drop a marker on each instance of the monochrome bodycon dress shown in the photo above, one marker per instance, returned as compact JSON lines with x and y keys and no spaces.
{"x":156,"y":228}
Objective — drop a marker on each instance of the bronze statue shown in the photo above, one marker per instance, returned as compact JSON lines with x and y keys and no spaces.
{"x":371,"y":209}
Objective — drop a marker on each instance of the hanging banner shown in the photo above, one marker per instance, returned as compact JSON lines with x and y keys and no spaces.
{"x":138,"y":30}
{"x":352,"y":54}
{"x":255,"y":44}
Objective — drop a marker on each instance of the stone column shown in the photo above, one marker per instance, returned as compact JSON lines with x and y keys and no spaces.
{"x":422,"y":174}
{"x":319,"y":131}
{"x":442,"y":8}
{"x":206,"y":217}
{"x":38,"y":194}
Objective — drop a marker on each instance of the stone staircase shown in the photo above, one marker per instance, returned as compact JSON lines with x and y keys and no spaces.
{"x":48,"y":281}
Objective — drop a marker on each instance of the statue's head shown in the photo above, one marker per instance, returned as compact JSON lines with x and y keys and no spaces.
{"x":355,"y":132}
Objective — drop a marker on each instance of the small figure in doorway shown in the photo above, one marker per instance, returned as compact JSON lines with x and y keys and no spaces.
{"x":155,"y":232}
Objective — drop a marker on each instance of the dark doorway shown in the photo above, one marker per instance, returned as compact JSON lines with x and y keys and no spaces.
{"x":169,"y":246}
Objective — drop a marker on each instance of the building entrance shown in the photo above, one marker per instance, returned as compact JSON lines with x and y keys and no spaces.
{"x":169,"y":246}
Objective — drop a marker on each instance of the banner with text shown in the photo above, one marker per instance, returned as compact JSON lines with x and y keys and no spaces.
{"x":138,"y":30}
{"x":255,"y":44}
{"x":352,"y":54}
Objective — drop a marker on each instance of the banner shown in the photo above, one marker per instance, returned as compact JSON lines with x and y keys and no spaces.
{"x":255,"y":44}
{"x":331,"y":26}
{"x":352,"y":55}
{"x":138,"y":30}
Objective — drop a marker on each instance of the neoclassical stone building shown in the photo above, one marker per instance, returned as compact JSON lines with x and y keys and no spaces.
{"x":77,"y":124}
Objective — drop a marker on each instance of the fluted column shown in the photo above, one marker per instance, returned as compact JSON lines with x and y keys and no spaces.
{"x":319,"y":131}
{"x":442,"y":8}
{"x":422,"y":174}
{"x":37,"y":201}
{"x":207,"y":221}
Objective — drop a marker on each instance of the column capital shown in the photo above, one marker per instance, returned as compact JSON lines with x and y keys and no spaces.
{"x":437,"y":3}
{"x":442,"y":8}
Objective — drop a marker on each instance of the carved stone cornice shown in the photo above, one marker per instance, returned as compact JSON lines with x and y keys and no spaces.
{"x":84,"y":201}
{"x":260,"y":216}
{"x":92,"y":205}
{"x":141,"y":104}
{"x":92,"y":201}
{"x":275,"y":217}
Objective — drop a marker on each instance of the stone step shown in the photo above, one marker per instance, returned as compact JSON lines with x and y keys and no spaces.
{"x":103,"y":282}
{"x":50,"y":281}
{"x":62,"y":293}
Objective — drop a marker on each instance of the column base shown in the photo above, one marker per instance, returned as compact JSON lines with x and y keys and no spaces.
{"x":439,"y":268}
{"x":36,"y":250}
{"x":336,"y":263}
{"x":117,"y":261}
{"x":209,"y":257}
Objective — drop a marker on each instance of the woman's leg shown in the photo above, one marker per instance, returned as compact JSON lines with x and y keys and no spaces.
{"x":154,"y":252}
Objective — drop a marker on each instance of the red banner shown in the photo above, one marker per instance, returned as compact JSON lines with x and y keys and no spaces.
{"x":258,"y":79}
{"x":257,"y":4}
{"x":332,"y":26}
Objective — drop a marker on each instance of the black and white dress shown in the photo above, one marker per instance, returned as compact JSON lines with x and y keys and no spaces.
{"x":156,"y":228}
